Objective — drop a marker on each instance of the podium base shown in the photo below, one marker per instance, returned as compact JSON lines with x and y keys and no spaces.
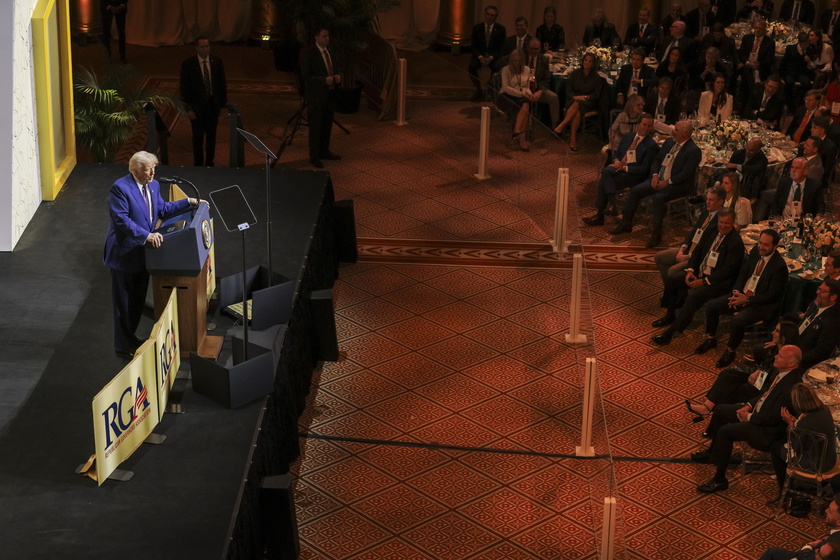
{"x":209,"y":349}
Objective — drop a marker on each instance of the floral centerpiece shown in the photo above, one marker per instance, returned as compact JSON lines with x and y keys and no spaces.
{"x":727,"y":131}
{"x":778,"y":30}
{"x":603,"y":54}
{"x":824,"y":235}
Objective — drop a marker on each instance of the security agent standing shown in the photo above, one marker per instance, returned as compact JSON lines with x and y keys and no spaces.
{"x":135,"y":205}
{"x":204,"y":91}
{"x":321,"y":80}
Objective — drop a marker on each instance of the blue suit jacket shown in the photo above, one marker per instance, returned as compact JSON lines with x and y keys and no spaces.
{"x":130,"y":224}
{"x":685,"y":164}
{"x":645,"y":152}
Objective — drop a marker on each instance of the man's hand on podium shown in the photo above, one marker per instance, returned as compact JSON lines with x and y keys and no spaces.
{"x":155,"y":239}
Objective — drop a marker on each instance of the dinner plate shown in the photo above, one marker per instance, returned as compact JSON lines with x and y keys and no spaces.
{"x":793,"y":265}
{"x":828,"y":396}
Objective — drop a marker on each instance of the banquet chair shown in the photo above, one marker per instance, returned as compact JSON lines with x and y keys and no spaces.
{"x":806,"y":451}
{"x":599,"y":114}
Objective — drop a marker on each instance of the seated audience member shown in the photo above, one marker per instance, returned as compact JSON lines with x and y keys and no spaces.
{"x":754,"y":10}
{"x":550,"y":32}
{"x":516,"y":96}
{"x":731,"y":183}
{"x":676,"y":39}
{"x":811,"y":153}
{"x":795,"y":72}
{"x":751,"y":163}
{"x":798,"y":11}
{"x":663,"y":106}
{"x":831,"y":100}
{"x":819,"y":56}
{"x":736,"y":385}
{"x":800,"y":126}
{"x":725,"y":45}
{"x":827,"y":148}
{"x":755,"y":58}
{"x":583,"y":93}
{"x":626,"y":121}
{"x":830,"y":20}
{"x":542,"y":77}
{"x":759,"y":422}
{"x":832,"y":265}
{"x":833,"y":130}
{"x":516,"y":42}
{"x":756,"y":296}
{"x":711,"y":270}
{"x":809,"y":414}
{"x":600,"y":32}
{"x":633,"y":158}
{"x":635,"y":77}
{"x":487,"y":42}
{"x":671,"y":262}
{"x":673,"y":173}
{"x":674,"y":70}
{"x":766,"y":103}
{"x":715,"y":105}
{"x":827,"y":546}
{"x":699,"y":21}
{"x":706,"y":69}
{"x":642,"y":34}
{"x":674,"y":15}
{"x":797,"y":194}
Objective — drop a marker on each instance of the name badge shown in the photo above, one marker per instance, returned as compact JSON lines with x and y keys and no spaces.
{"x":753,"y":57}
{"x":712,"y":260}
{"x":759,"y":381}
{"x":697,"y":235}
{"x":796,"y":207}
{"x":751,"y":284}
{"x":660,"y":117}
{"x":669,"y":159}
{"x":835,"y":108}
{"x":631,"y":156}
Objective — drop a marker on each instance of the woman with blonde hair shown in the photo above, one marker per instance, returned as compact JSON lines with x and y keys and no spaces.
{"x":516,"y":97}
{"x":731,"y":183}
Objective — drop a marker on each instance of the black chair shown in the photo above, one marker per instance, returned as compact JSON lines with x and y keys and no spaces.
{"x":805,"y":475}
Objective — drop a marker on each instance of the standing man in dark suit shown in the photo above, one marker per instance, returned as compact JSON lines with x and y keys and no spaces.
{"x":755,"y":58}
{"x":664,"y":107}
{"x":542,"y":76}
{"x":487,"y":42}
{"x":756,"y":296}
{"x":674,"y":170}
{"x":114,"y":11}
{"x":204,"y":91}
{"x":712,"y":268}
{"x":766,"y":102}
{"x":643,"y":34}
{"x":758,"y":422}
{"x":632,"y":162}
{"x":797,"y":194}
{"x":635,"y":77}
{"x":135,"y":206}
{"x":798,"y":11}
{"x":321,"y":79}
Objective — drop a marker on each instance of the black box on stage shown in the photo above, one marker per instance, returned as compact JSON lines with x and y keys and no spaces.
{"x":323,"y":313}
{"x":279,"y":521}
{"x":234,"y":385}
{"x":344,"y":226}
{"x":271,"y":305}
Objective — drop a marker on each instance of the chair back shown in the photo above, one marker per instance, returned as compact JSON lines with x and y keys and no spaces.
{"x":806,"y":451}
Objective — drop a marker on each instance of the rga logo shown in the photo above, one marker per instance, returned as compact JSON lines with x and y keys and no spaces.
{"x":167,"y":353}
{"x":123,"y":415}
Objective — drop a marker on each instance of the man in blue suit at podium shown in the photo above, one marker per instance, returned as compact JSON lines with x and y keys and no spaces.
{"x":135,"y":205}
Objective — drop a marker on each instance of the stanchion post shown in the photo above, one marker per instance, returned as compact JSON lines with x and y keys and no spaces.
{"x":401,"y":92}
{"x":561,"y":208}
{"x":483,"y":144}
{"x":585,"y":448}
{"x":608,"y":531}
{"x":574,"y":336}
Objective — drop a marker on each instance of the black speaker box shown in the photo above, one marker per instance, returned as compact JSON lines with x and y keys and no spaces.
{"x":323,"y":311}
{"x":233,"y":386}
{"x":279,"y":521}
{"x":344,"y":225}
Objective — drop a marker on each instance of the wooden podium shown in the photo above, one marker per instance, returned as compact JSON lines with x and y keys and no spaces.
{"x":184,"y":261}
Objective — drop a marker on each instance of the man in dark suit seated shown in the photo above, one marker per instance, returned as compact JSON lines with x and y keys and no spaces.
{"x":758,"y":422}
{"x":751,"y":163}
{"x":632,"y":162}
{"x":642,"y":34}
{"x":679,"y":40}
{"x":699,"y":21}
{"x":673,"y":177}
{"x":712,"y":268}
{"x":664,"y":107}
{"x":755,"y":58}
{"x":725,"y":45}
{"x":725,"y":11}
{"x":676,"y":14}
{"x":671,"y":262}
{"x":756,"y":296}
{"x":828,"y":546}
{"x":516,"y":42}
{"x":705,"y":70}
{"x":635,"y":77}
{"x":795,"y":72}
{"x":487,"y":41}
{"x":798,"y":11}
{"x":601,"y":30}
{"x":800,"y":126}
{"x":797,"y":194}
{"x":542,"y":76}
{"x":828,"y":149}
{"x":833,"y":130}
{"x":766,"y":103}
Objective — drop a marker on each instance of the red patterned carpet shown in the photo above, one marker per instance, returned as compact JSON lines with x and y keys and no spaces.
{"x":448,"y":429}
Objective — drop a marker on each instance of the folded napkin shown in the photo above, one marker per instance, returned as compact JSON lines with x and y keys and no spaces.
{"x":776,"y":155}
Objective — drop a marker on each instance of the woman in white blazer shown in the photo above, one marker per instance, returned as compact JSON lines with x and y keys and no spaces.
{"x":715,"y":105}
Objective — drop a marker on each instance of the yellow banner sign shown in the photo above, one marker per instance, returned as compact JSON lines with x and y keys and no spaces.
{"x":167,"y":342}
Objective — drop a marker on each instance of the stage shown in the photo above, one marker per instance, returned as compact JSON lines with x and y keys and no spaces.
{"x":188,"y":497}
